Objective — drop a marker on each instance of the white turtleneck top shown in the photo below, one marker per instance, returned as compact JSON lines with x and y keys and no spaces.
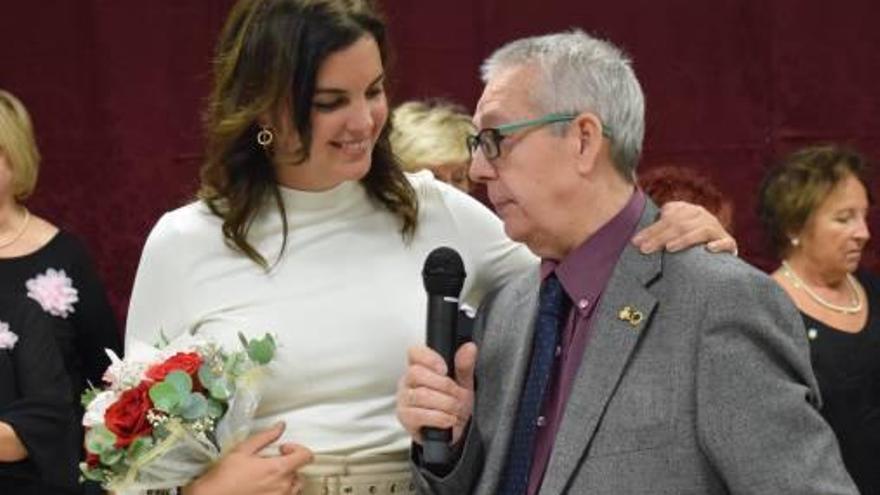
{"x":345,"y":301}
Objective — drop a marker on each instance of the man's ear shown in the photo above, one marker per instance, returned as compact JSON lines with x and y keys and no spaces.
{"x":588,"y":129}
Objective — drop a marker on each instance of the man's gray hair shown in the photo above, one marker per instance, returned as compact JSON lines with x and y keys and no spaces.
{"x":579,"y":73}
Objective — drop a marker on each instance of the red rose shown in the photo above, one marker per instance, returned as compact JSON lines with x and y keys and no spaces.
{"x":188,"y":362}
{"x":127,"y":417}
{"x":92,"y":460}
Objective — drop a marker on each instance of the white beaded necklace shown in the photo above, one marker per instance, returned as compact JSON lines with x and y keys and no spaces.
{"x":800,"y":284}
{"x":20,"y":232}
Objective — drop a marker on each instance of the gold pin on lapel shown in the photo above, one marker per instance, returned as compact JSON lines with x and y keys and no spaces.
{"x":630,"y":315}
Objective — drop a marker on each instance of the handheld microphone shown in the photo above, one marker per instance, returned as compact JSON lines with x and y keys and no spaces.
{"x":443,"y":275}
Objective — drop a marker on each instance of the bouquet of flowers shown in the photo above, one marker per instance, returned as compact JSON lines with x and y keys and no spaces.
{"x":168,"y":414}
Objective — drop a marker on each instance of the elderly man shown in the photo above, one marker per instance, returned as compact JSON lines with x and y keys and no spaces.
{"x":609,"y":371}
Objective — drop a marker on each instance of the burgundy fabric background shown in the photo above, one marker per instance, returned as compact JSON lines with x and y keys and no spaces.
{"x":116,"y":89}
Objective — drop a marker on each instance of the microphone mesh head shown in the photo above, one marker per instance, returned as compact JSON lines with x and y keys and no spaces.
{"x":443,"y":273}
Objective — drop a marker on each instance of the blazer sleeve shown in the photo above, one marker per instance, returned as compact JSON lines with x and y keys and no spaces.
{"x":42,"y":413}
{"x":456,"y":479}
{"x":757,"y":397}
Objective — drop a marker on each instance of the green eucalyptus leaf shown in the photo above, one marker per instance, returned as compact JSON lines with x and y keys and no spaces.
{"x":88,"y":396}
{"x":261,"y":350}
{"x":160,"y":432}
{"x":119,"y":469}
{"x":215,"y":409}
{"x":100,"y":439}
{"x":139,"y":446}
{"x":194,"y":407}
{"x":235,"y":363}
{"x":179,"y":380}
{"x":165,"y":396}
{"x":243,"y":339}
{"x":206,"y":375}
{"x":111,"y":456}
{"x":222,"y":389}
{"x":96,"y":474}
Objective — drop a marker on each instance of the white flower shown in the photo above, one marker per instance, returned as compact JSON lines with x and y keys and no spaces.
{"x":7,"y":338}
{"x":123,"y":374}
{"x":95,"y":413}
{"x":54,"y":291}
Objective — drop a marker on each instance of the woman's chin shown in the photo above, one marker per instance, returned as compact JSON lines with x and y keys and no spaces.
{"x":356,"y":170}
{"x":852,"y":264}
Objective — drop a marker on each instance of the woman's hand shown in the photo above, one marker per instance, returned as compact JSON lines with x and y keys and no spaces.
{"x":244,"y":472}
{"x":682,"y":225}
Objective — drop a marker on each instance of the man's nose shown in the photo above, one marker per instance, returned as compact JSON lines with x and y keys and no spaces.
{"x":480,"y":169}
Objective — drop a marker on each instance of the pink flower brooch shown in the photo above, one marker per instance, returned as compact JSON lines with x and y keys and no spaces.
{"x":7,"y":338}
{"x":54,"y":291}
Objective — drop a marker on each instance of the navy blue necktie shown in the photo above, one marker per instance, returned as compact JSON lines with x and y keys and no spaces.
{"x":551,"y":307}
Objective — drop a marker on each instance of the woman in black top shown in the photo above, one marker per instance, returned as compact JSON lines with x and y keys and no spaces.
{"x":62,"y":262}
{"x":847,"y":366}
{"x":39,"y":428}
{"x":47,"y":266}
{"x":815,"y":205}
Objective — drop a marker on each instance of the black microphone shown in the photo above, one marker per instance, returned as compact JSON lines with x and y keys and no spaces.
{"x":443,"y":275}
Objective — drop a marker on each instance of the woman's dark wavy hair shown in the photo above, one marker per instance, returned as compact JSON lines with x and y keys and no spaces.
{"x":799,"y":183}
{"x":269,"y":53}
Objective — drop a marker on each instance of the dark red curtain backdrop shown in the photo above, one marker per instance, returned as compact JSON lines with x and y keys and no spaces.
{"x":116,"y":89}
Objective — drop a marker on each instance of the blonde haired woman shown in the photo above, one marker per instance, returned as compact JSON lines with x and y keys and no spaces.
{"x":432,"y":135}
{"x":48,"y":265}
{"x":38,"y":258}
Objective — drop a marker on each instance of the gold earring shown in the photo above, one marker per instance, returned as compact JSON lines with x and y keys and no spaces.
{"x":265,"y":137}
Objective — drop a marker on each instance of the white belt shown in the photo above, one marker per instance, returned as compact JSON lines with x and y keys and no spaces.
{"x":387,"y":474}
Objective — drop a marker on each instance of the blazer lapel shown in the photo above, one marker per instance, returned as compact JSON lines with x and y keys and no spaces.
{"x":615,"y":334}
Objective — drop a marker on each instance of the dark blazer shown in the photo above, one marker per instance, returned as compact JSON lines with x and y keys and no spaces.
{"x":710,"y":392}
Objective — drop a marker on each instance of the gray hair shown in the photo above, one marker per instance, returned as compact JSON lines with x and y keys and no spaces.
{"x":579,"y":73}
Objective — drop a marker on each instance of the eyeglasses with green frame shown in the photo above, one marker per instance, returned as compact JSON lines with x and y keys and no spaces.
{"x":489,"y":140}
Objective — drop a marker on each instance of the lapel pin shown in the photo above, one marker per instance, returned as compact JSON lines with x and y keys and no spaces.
{"x":630,"y":315}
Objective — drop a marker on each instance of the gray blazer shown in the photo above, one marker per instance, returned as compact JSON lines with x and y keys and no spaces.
{"x":711,"y":392}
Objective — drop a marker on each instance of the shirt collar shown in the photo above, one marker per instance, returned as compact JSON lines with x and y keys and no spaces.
{"x":585,"y":271}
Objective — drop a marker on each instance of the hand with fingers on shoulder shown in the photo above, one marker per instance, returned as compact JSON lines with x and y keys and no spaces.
{"x":427,"y":397}
{"x":682,"y":225}
{"x":264,"y":475}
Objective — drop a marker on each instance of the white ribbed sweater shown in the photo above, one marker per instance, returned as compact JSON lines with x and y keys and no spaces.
{"x":345,"y":301}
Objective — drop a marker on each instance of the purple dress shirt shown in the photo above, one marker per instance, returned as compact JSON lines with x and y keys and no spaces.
{"x":584,"y":274}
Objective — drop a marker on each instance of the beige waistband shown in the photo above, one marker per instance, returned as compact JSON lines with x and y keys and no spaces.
{"x":386,"y":474}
